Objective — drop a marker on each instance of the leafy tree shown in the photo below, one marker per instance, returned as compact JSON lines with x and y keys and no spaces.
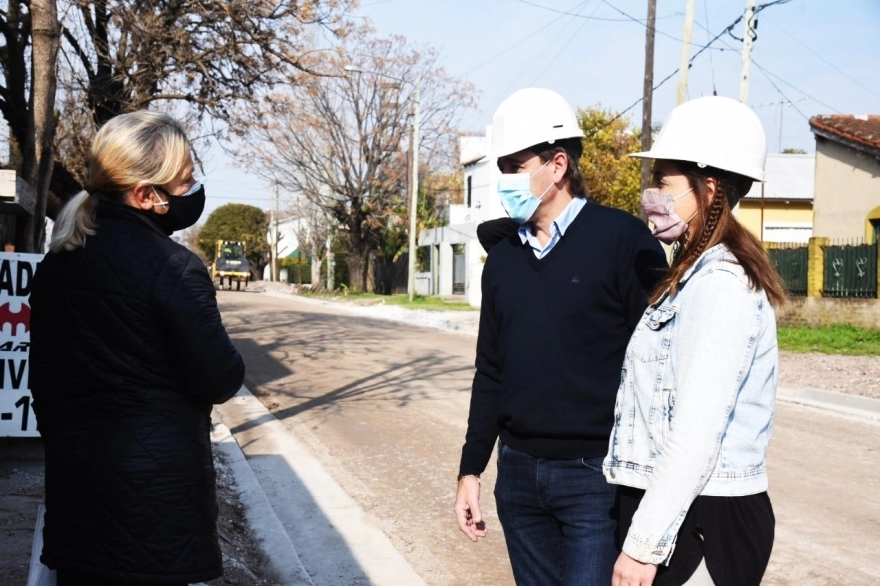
{"x":235,"y":221}
{"x":613,"y":178}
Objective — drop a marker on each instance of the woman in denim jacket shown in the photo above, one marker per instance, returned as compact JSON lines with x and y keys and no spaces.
{"x":696,"y":401}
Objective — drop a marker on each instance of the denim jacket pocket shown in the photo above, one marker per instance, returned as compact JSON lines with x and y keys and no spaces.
{"x":664,"y":411}
{"x":652,"y":338}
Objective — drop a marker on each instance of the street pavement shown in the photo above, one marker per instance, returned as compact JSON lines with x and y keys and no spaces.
{"x":382,"y":406}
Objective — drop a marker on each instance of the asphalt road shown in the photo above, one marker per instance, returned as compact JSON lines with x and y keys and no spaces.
{"x":383,"y":406}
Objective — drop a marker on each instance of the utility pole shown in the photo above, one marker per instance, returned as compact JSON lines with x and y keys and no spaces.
{"x":684,"y":67}
{"x":748,"y":39}
{"x":648,"y":95}
{"x":414,"y":194}
{"x":331,"y":265}
{"x":274,"y":232}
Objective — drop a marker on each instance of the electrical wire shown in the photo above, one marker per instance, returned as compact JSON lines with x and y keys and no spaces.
{"x":564,"y":47}
{"x":781,"y":93}
{"x":832,"y":65}
{"x":523,"y":70}
{"x":521,"y":41}
{"x":726,"y":30}
{"x":768,"y":72}
{"x":711,"y":58}
{"x":563,"y":12}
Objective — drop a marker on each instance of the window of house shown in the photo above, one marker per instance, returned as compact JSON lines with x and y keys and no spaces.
{"x":469,"y":186}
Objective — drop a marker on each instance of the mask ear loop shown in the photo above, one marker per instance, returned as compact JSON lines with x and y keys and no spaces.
{"x":164,"y":204}
{"x":541,"y":197}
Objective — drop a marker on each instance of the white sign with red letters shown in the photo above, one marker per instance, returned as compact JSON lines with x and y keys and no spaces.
{"x":16,"y":274}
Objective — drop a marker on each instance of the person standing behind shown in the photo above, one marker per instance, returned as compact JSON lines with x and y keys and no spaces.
{"x":697,"y":398}
{"x":128,"y":353}
{"x":561,"y":298}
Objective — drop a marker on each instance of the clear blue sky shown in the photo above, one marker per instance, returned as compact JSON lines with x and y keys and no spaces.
{"x":820,"y":54}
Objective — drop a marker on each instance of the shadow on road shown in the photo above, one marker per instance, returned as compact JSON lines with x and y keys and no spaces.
{"x":320,"y":360}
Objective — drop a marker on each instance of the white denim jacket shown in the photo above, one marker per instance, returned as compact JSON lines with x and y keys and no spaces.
{"x":696,"y":401}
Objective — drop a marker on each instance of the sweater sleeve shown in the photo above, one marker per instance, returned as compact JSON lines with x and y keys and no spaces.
{"x":209,"y":364}
{"x":483,"y":425}
{"x":645,"y":265}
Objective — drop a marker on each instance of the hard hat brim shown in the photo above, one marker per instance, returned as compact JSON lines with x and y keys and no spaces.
{"x":655,"y":155}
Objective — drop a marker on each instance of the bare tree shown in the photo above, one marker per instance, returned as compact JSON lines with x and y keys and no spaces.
{"x":30,"y":32}
{"x":312,"y":231}
{"x":210,"y":57}
{"x":340,"y":141}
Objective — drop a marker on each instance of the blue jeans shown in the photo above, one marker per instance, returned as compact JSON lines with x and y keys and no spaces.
{"x":559,"y":519}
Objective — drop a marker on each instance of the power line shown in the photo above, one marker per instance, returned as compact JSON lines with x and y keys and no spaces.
{"x":563,"y":12}
{"x":768,"y":72}
{"x":727,"y":29}
{"x":518,"y":43}
{"x":535,"y":60}
{"x":564,"y":47}
{"x":790,"y":103}
{"x":711,"y":58}
{"x":830,"y":64}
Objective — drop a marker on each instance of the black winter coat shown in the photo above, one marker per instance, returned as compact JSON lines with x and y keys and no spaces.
{"x":128,"y":355}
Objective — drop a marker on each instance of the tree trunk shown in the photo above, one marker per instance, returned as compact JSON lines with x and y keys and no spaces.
{"x":39,"y":157}
{"x":358,"y":265}
{"x":317,"y":263}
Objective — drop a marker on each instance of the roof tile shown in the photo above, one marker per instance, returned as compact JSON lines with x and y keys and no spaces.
{"x":863,"y":130}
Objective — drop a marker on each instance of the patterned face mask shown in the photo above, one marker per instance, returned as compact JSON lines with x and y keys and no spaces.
{"x":660,"y":210}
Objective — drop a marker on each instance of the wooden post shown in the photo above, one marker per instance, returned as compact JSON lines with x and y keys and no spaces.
{"x":816,"y":266}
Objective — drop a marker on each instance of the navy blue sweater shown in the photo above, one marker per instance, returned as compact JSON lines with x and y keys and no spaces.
{"x":552,"y":337}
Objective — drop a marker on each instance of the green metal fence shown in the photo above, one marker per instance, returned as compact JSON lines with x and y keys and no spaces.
{"x":791,"y":262}
{"x":850,"y":270}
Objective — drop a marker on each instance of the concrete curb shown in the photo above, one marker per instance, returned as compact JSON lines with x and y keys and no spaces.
{"x":855,"y":405}
{"x":333,"y":536}
{"x":261,"y":518}
{"x":429,"y":320}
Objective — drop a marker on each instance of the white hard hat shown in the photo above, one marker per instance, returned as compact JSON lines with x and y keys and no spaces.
{"x":530,"y":117}
{"x":713,"y":131}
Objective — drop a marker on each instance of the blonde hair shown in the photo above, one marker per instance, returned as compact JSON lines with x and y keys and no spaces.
{"x":138,"y":147}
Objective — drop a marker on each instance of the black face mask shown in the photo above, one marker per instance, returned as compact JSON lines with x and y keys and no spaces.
{"x":183,"y":210}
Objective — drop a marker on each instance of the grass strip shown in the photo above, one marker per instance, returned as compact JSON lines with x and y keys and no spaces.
{"x":834,"y":339}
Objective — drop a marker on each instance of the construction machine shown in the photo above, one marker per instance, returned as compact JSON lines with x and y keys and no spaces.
{"x":230,"y":264}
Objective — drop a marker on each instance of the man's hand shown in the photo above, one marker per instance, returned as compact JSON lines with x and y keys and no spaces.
{"x":630,"y":572}
{"x":467,"y":508}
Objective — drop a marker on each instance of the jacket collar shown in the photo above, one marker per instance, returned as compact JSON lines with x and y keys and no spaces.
{"x":709,"y":256}
{"x":125,"y":212}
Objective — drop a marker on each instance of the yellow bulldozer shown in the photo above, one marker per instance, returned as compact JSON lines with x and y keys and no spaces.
{"x":230,"y":265}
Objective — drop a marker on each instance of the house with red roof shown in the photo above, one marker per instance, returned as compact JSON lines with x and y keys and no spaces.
{"x":847,"y":181}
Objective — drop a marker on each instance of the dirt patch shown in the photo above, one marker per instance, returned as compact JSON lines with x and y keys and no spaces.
{"x":22,"y":490}
{"x":21,"y":493}
{"x":856,"y":375}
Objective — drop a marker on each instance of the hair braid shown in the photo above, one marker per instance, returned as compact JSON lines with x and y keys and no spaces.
{"x":712,"y":217}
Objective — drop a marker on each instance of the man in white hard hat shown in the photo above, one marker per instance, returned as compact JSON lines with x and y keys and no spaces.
{"x":561,"y":298}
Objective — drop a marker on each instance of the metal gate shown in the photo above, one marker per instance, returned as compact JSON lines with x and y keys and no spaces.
{"x":791,"y":264}
{"x":850,"y":270}
{"x":458,"y":274}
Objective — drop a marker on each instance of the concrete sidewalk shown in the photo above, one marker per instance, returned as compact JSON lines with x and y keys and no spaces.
{"x":310,"y":529}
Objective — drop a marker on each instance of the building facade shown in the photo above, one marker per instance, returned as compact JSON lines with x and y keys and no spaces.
{"x":781,"y":208}
{"x":457,"y":258}
{"x":847,"y":193}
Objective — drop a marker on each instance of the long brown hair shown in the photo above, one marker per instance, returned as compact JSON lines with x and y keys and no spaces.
{"x":714,"y":224}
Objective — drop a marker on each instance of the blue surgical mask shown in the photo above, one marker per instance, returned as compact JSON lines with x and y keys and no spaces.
{"x":517,"y":199}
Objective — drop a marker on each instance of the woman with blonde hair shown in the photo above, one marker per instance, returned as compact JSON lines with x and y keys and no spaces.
{"x":696,"y":402}
{"x":128,"y":355}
